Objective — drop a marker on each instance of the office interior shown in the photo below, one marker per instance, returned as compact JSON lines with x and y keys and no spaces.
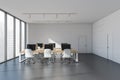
{"x":90,"y":27}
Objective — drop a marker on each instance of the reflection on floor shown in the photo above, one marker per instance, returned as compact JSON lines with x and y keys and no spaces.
{"x":90,"y":67}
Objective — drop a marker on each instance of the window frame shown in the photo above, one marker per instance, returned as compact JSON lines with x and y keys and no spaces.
{"x":14,"y":35}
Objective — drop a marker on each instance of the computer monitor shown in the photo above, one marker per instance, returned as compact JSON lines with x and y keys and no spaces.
{"x":52,"y":45}
{"x":40,"y":45}
{"x":65,"y":46}
{"x":31,"y":46}
{"x":47,"y":46}
{"x":68,"y":46}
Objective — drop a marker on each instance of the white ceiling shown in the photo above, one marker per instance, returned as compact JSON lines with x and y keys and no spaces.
{"x":86,"y":11}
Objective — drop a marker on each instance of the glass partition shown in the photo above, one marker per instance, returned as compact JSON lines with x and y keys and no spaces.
{"x":2,"y":36}
{"x":17,"y":38}
{"x":22,"y":35}
{"x":10,"y":37}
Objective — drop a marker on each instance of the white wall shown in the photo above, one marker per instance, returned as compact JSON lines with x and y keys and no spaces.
{"x":61,"y":33}
{"x":106,"y":32}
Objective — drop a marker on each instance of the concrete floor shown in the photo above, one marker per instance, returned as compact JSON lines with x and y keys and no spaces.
{"x":90,"y":67}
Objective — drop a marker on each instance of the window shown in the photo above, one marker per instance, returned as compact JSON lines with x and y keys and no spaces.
{"x":10,"y":37}
{"x":17,"y":38}
{"x":2,"y":36}
{"x":22,"y":35}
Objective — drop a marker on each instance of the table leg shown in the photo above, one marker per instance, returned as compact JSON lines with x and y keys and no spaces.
{"x":76,"y":57}
{"x":20,"y":57}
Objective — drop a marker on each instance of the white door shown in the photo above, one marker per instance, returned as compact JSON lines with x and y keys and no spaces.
{"x":109,"y":46}
{"x":82,"y":44}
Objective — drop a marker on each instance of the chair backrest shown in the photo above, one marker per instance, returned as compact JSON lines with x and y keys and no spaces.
{"x":31,"y":46}
{"x":66,"y":53}
{"x":28,"y":53}
{"x":47,"y":53}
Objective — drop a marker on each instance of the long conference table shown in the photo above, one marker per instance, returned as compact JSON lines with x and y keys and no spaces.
{"x":54,"y":51}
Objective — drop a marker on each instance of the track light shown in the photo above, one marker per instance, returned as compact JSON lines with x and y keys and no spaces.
{"x":44,"y":14}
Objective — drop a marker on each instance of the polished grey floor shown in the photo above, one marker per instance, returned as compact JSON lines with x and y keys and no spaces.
{"x":90,"y":67}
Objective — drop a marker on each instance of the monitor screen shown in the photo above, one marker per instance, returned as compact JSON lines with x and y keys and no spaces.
{"x":65,"y":46}
{"x":52,"y":44}
{"x":47,"y":46}
{"x":40,"y":45}
{"x":31,"y":46}
{"x":68,"y":46}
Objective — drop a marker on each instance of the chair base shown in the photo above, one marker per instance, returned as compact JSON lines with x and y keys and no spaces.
{"x":29,"y":61}
{"x":67,"y":60}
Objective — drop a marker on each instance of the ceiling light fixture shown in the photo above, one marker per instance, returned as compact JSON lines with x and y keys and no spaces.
{"x":48,"y":13}
{"x":44,"y":14}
